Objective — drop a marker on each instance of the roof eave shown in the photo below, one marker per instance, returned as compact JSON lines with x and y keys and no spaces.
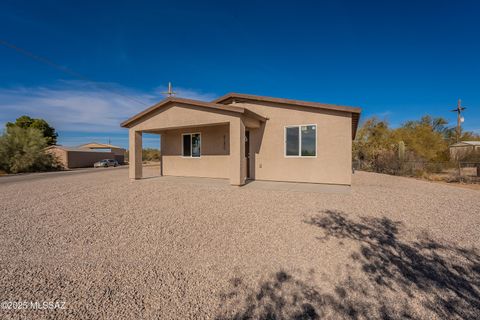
{"x":233,"y":96}
{"x":354,"y":111}
{"x":196,"y":103}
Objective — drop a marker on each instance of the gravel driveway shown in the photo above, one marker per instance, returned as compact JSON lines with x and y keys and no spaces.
{"x":160,"y":248}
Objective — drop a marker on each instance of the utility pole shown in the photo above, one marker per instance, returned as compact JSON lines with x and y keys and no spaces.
{"x":460,"y":119}
{"x":170,"y":91}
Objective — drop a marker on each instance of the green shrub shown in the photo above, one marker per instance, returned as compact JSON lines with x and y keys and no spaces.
{"x":23,"y":150}
{"x":416,"y":148}
{"x":150,"y":154}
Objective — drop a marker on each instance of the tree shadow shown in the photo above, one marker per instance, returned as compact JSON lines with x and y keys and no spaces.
{"x":447,"y":276}
{"x":392,"y":279}
{"x":281,"y":296}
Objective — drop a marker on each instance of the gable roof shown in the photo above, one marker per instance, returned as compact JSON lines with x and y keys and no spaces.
{"x":75,"y":149}
{"x":96,"y":145}
{"x":239,"y":97}
{"x":197,"y":103}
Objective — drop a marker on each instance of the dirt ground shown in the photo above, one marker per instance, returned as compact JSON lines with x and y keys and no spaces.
{"x":469,"y":176}
{"x":110,"y":248}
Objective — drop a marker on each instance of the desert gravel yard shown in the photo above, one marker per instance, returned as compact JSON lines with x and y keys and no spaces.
{"x":166,"y":248}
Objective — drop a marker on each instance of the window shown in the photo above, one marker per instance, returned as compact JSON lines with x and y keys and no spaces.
{"x":187,"y":145}
{"x":292,"y":141}
{"x":301,"y":141}
{"x":191,"y":145}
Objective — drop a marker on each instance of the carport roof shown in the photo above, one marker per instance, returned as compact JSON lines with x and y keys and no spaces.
{"x":197,"y":103}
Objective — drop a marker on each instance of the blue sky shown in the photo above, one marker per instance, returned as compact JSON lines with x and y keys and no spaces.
{"x":397,"y":60}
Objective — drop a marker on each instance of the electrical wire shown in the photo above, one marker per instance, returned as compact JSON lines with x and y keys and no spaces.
{"x":67,"y":71}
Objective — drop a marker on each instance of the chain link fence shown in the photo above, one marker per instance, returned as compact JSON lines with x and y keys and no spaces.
{"x":449,"y":171}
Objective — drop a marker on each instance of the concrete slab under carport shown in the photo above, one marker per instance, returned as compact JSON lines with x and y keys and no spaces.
{"x":252,"y":184}
{"x":297,"y":187}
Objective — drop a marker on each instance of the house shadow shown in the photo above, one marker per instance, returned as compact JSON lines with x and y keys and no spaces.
{"x":394,"y":278}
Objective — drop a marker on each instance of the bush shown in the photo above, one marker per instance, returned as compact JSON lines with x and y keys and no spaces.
{"x":416,"y":148}
{"x":150,"y":154}
{"x":22,"y":150}
{"x":386,"y":161}
{"x":472,"y":156}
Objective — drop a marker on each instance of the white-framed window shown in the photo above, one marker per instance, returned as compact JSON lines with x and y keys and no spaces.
{"x":301,"y":140}
{"x":191,"y":145}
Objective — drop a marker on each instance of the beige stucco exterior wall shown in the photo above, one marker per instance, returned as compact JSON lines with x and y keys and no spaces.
{"x":222,"y":144}
{"x":178,"y":115}
{"x":135,"y":139}
{"x":80,"y":159}
{"x":216,"y":161}
{"x":237,"y":152}
{"x":215,"y":150}
{"x":118,"y":153}
{"x":333,"y":163}
{"x":60,"y":155}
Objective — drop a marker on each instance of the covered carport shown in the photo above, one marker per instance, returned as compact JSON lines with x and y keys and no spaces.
{"x":173,"y":118}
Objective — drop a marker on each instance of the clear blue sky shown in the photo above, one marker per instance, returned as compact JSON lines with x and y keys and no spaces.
{"x":397,"y":60}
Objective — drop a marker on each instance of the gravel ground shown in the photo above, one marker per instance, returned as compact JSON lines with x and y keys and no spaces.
{"x":114,"y":249}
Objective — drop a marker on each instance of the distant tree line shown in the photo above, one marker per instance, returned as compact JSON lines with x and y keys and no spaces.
{"x":377,"y":146}
{"x":380,"y":148}
{"x":23,"y":143}
{"x":46,"y":130}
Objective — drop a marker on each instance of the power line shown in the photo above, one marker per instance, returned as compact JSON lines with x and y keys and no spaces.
{"x":67,"y":70}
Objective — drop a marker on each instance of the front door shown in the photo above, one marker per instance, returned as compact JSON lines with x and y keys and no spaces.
{"x":247,"y":151}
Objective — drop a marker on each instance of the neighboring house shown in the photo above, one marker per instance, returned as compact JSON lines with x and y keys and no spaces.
{"x":71,"y":157}
{"x":462,"y":148}
{"x":118,"y":152}
{"x":86,"y":155}
{"x":241,"y":137}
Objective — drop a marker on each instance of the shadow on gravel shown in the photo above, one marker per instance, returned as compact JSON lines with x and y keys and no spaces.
{"x":393,"y":279}
{"x":280,"y":297}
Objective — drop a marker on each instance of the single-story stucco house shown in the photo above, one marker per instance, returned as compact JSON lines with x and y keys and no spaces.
{"x":240,"y":137}
{"x":118,"y":152}
{"x":86,"y":155}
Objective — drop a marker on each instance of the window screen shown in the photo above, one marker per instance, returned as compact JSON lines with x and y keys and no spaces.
{"x":309,"y":140}
{"x":196,"y":145}
{"x":301,"y":141}
{"x":191,"y":145}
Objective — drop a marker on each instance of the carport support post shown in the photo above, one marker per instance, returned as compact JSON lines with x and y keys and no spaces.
{"x":237,"y":151}
{"x":162,"y":142}
{"x":135,"y":154}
